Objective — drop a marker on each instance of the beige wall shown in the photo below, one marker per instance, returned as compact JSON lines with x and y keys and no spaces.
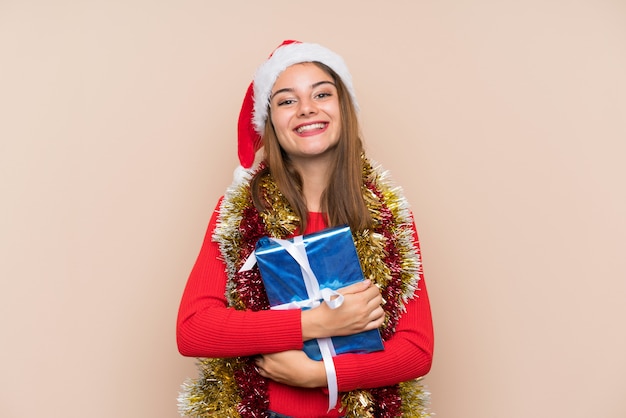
{"x":504,"y":121}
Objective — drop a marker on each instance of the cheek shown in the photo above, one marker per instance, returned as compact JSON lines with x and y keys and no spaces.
{"x":279,"y":119}
{"x":333,"y":110}
{"x":280,"y":133}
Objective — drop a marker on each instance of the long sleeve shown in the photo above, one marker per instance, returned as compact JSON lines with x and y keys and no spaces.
{"x":407,"y":355}
{"x":206,"y":327}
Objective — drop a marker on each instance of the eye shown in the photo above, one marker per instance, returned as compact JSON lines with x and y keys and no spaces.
{"x":286,"y":102}
{"x":323,"y":95}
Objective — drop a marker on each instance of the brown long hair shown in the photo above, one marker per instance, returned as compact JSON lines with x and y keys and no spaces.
{"x":342,"y":201}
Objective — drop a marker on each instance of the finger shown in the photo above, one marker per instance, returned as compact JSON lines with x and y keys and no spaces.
{"x":356,"y":287}
{"x":371,"y":297}
{"x":373,"y":292}
{"x":259,"y":362}
{"x":378,"y":314}
{"x":377,"y":319}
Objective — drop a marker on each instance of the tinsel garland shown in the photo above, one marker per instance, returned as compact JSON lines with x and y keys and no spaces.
{"x":232,"y":387}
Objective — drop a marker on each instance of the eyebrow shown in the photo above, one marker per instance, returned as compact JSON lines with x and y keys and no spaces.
{"x":291,"y":90}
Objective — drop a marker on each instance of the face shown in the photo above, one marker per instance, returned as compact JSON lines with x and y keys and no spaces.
{"x":305,"y":112}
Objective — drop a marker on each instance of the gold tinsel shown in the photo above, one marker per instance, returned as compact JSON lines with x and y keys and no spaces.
{"x":214,"y":392}
{"x":358,"y":403}
{"x":415,"y":399}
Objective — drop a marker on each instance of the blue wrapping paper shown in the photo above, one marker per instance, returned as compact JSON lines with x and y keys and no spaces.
{"x":333,"y":258}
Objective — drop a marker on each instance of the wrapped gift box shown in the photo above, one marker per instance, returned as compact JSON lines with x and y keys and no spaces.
{"x":333,"y":259}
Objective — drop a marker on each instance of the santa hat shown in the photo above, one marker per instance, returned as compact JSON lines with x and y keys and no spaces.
{"x":254,"y":110}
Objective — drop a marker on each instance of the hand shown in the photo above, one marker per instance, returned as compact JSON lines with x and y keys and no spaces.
{"x":360,"y":311}
{"x":292,"y":368}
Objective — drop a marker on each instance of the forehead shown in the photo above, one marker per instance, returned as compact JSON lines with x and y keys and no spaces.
{"x":302,"y":75}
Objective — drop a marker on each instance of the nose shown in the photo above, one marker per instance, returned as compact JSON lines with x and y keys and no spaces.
{"x":307,"y":107}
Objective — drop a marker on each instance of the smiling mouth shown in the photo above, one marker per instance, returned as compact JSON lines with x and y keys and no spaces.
{"x":311,"y":127}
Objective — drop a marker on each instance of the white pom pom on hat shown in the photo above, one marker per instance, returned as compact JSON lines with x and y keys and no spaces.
{"x":254,"y":109}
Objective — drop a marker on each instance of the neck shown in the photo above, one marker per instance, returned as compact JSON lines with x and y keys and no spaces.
{"x":315,"y":177}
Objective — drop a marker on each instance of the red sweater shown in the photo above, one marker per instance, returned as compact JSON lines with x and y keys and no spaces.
{"x":206,"y":327}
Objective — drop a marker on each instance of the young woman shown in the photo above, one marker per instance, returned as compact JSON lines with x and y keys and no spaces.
{"x":301,"y":109}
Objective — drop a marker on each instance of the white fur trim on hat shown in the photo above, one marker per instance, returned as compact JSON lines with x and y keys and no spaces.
{"x":283,"y":57}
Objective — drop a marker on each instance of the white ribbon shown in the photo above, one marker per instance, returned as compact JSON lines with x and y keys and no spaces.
{"x":332,"y":298}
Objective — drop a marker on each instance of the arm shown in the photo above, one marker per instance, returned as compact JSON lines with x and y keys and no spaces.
{"x":407,"y":355}
{"x":360,"y":311}
{"x":206,"y":327}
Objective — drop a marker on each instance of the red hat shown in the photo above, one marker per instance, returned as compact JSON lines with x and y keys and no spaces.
{"x":254,"y":110}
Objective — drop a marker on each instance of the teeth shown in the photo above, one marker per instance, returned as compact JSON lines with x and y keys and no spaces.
{"x":310,"y":127}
